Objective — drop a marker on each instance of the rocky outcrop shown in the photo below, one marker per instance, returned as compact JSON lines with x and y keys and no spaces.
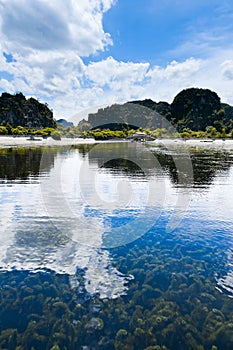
{"x":30,"y":113}
{"x":192,"y":108}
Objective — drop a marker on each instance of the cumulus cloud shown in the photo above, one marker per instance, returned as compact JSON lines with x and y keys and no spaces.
{"x":6,"y":85}
{"x":128,"y":80}
{"x":109,"y":70}
{"x":75,"y":86}
{"x":42,"y":44}
{"x":42,"y":50}
{"x":54,"y":25}
{"x":163,"y":83}
{"x":176,"y":70}
{"x":45,"y":73}
{"x":227,"y":69}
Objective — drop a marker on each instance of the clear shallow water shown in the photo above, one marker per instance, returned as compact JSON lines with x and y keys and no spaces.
{"x":150,"y":228}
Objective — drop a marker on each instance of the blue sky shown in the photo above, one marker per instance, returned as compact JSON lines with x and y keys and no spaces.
{"x":79,"y":55}
{"x":152,"y":30}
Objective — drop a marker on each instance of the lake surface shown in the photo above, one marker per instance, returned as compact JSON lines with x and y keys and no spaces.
{"x":116,"y":246}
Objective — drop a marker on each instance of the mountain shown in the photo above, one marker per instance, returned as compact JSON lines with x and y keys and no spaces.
{"x":65,"y":123}
{"x":30,"y":113}
{"x":196,"y":109}
{"x":129,"y":116}
{"x":192,"y":108}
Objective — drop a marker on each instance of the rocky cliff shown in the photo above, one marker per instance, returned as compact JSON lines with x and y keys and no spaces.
{"x":30,"y":113}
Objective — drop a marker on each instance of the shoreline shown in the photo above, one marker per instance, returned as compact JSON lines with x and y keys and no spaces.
{"x":196,"y":143}
{"x":24,"y":141}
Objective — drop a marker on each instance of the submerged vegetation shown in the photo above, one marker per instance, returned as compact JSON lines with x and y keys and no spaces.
{"x":171,"y":304}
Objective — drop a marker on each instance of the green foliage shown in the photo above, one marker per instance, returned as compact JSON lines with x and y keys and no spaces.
{"x":44,"y":131}
{"x":3,"y":130}
{"x":29,"y":113}
{"x":185,"y":135}
{"x":192,"y":108}
{"x":212,"y":132}
{"x":198,"y":134}
{"x":107,"y":134}
{"x":56,"y":135}
{"x":55,"y":347}
{"x":121,"y":334}
{"x":8,"y":339}
{"x":9,"y":129}
{"x":20,"y":130}
{"x":197,"y":108}
{"x":172,"y":302}
{"x":160,"y":132}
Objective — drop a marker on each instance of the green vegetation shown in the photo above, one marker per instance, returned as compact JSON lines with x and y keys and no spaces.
{"x":197,"y":109}
{"x":172,"y":302}
{"x":107,"y":134}
{"x":22,"y":131}
{"x":193,"y":113}
{"x":168,"y":305}
{"x":29,"y":113}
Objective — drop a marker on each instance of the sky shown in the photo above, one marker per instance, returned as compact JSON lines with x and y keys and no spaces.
{"x":80,"y":55}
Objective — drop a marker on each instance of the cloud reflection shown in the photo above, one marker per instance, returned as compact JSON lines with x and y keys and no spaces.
{"x":69,"y":218}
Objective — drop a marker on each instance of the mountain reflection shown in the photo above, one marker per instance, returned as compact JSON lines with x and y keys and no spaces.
{"x":88,"y":198}
{"x":21,"y":163}
{"x":206,"y":164}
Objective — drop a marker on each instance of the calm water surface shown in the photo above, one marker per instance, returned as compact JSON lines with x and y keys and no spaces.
{"x":116,"y":246}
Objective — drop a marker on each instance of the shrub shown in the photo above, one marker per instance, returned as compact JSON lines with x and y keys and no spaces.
{"x":56,"y":135}
{"x":3,"y":130}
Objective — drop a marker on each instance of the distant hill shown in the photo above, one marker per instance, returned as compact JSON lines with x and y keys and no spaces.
{"x":64,"y":123}
{"x":30,"y":113}
{"x":128,"y":115}
{"x":192,"y":108}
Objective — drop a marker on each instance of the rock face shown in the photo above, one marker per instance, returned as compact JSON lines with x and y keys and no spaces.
{"x":192,"y":108}
{"x":197,"y":108}
{"x":17,"y":110}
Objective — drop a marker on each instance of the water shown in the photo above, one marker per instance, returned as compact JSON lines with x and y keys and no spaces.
{"x":116,"y":246}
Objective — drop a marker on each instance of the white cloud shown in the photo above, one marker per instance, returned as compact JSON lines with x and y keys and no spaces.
{"x":43,"y":45}
{"x":110,"y":70}
{"x":163,"y":83}
{"x":45,"y":42}
{"x":6,"y":85}
{"x":227,"y":69}
{"x":45,"y":73}
{"x":54,"y":25}
{"x":70,"y":86}
{"x":120,"y":81}
{"x":176,"y":70}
